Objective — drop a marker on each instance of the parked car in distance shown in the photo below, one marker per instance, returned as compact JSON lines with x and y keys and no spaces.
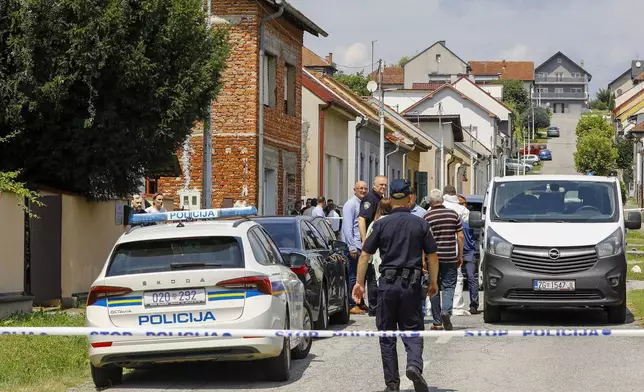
{"x":514,"y":165}
{"x":545,"y":155}
{"x":531,"y":159}
{"x":553,"y":131}
{"x":319,"y":260}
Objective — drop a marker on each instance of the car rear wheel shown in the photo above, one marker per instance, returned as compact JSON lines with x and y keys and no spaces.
{"x":322,"y":322}
{"x":279,"y":368}
{"x":304,"y":345}
{"x":342,"y":317}
{"x":106,"y":376}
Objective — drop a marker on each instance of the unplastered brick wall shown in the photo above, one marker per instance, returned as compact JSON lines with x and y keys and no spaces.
{"x":235,"y":114}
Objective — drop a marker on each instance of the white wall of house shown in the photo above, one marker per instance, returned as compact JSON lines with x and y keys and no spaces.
{"x":402,"y":99}
{"x":495,"y":90}
{"x":418,"y":69}
{"x":471,"y":114}
{"x":335,"y":155}
{"x":311,"y":141}
{"x":629,"y":92}
{"x":483,"y":98}
{"x":621,"y":84}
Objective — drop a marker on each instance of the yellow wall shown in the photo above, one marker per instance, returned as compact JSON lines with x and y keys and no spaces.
{"x":12,"y":234}
{"x":426,"y":163}
{"x":89,"y":231}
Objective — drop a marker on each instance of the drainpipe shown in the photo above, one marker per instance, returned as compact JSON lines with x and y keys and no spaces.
{"x":387,"y":157}
{"x":321,"y":148}
{"x":361,"y":124}
{"x":260,"y":142}
{"x":405,"y":163}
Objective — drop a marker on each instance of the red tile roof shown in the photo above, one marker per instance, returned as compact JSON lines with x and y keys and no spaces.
{"x":426,"y":86}
{"x":519,"y":70}
{"x":638,"y":127}
{"x":392,"y":75}
{"x":310,"y":59}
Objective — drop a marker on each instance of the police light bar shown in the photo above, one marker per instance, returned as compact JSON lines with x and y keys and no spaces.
{"x":214,"y":213}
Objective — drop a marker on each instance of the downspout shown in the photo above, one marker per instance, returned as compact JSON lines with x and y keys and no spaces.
{"x":387,"y":158}
{"x":360,"y":125}
{"x":321,"y":148}
{"x":405,"y":162}
{"x":260,"y":142}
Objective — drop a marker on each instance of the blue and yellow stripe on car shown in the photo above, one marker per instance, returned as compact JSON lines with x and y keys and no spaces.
{"x":125,"y":301}
{"x":278,"y":288}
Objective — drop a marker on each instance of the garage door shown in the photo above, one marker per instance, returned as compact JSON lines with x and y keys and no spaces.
{"x":574,"y":108}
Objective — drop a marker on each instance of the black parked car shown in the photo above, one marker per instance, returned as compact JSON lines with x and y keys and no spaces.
{"x":313,"y":252}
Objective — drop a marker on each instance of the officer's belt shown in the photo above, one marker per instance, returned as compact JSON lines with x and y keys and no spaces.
{"x":408,"y":274}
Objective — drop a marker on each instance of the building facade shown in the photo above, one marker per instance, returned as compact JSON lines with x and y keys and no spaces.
{"x":243,"y":119}
{"x":562,"y":85}
{"x":435,"y":64}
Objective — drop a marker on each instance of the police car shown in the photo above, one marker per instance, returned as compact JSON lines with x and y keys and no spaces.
{"x":210,"y":273}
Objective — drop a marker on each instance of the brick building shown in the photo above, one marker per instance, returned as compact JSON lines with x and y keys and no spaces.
{"x":236,"y":113}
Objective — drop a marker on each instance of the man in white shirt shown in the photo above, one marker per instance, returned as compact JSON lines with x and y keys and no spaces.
{"x":319,"y":208}
{"x":450,"y":200}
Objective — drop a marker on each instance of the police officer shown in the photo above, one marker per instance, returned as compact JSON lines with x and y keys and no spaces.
{"x":402,"y":238}
{"x":366,"y":215}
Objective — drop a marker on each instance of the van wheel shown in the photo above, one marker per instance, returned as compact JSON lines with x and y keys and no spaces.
{"x":279,"y":368}
{"x":491,"y":314}
{"x":106,"y":376}
{"x":617,"y":314}
{"x":301,"y":351}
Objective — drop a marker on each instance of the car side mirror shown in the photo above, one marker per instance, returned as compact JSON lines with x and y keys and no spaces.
{"x":294,"y":259}
{"x":339,"y":246}
{"x":476,"y":220}
{"x":634,"y":221}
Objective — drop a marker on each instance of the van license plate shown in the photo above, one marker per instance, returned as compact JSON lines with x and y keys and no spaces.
{"x":553,"y":285}
{"x":175,"y":297}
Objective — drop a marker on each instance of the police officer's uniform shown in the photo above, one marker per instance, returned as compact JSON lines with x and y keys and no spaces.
{"x":368,"y":209}
{"x":401,"y":238}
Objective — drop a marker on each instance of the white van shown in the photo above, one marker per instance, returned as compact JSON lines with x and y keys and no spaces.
{"x":554,"y":241}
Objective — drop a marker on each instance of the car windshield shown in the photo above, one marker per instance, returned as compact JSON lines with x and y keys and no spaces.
{"x":283,"y":233}
{"x":555,"y":201}
{"x":143,"y":257}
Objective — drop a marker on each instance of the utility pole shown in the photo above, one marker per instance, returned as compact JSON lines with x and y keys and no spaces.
{"x":382,"y":120}
{"x":440,"y":128}
{"x":206,"y":182}
{"x":372,"y":62}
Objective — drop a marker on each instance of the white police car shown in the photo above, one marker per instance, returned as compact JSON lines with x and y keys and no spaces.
{"x":217,"y":274}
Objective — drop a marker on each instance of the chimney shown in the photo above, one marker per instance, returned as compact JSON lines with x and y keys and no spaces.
{"x":503,"y":65}
{"x":329,"y":58}
{"x":442,"y":42}
{"x":582,"y":63}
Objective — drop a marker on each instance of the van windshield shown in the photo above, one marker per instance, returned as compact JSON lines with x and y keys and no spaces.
{"x":555,"y":201}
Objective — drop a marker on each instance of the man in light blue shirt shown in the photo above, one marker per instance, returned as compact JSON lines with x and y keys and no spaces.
{"x":415,"y":208}
{"x":351,"y":235}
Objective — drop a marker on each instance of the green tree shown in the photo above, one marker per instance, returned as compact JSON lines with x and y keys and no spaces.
{"x":403,"y":60}
{"x":625,"y":158}
{"x":356,"y":82}
{"x":9,"y":184}
{"x":514,"y":92}
{"x":541,"y":118}
{"x":605,"y":98}
{"x":98,"y":90}
{"x":595,"y":153}
{"x":594,"y":124}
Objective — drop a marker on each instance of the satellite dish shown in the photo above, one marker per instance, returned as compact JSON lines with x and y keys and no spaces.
{"x":372,"y":86}
{"x":638,"y":64}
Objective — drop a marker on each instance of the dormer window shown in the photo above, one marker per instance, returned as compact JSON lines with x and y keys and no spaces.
{"x":559,"y":60}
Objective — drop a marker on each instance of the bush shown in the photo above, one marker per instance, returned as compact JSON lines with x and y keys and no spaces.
{"x":594,"y":124}
{"x":595,"y":153}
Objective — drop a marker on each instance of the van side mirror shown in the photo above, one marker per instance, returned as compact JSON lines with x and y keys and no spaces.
{"x":634,"y":221}
{"x":476,"y":220}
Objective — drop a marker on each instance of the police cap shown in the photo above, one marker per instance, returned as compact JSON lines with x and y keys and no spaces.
{"x":399,"y":189}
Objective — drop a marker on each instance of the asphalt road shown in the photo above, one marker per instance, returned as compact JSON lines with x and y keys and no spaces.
{"x":562,"y":147}
{"x":451,"y":364}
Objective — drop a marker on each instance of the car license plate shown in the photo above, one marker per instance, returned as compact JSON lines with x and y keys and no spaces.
{"x":553,"y":285}
{"x":175,"y":297}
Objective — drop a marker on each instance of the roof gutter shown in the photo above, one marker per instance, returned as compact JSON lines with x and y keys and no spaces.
{"x":260,"y":141}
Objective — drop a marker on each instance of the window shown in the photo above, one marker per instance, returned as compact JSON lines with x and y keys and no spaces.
{"x":144,"y":257}
{"x":283,"y":233}
{"x":558,"y":90}
{"x":259,"y":251}
{"x":307,"y":237}
{"x":559,"y":76}
{"x":270,"y":245}
{"x":151,"y":186}
{"x":319,"y":240}
{"x":270,"y":76}
{"x":576,"y":89}
{"x":576,"y":75}
{"x":265,"y":241}
{"x":323,"y":227}
{"x":438,"y":58}
{"x":559,"y":60}
{"x":289,"y":90}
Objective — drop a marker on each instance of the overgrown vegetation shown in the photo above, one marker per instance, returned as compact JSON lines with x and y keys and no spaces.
{"x":356,"y":82}
{"x":95,"y":92}
{"x":596,"y":150}
{"x":43,"y":363}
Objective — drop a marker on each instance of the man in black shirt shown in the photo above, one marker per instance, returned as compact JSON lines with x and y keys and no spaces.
{"x":405,"y":243}
{"x":366,"y":215}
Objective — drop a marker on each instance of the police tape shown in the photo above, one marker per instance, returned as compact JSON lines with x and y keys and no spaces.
{"x":270,"y":333}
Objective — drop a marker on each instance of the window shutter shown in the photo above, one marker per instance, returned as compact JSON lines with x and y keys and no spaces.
{"x":265,"y":81}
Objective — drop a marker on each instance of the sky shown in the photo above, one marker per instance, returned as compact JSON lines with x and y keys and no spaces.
{"x":606,"y":34}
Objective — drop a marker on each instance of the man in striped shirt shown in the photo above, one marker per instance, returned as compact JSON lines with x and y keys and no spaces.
{"x":447,"y":229}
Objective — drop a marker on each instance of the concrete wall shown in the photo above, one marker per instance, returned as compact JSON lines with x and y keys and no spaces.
{"x":495,"y":90}
{"x":89,"y":232}
{"x":419,"y":68}
{"x":311,"y":141}
{"x":482,"y":98}
{"x":622,"y":83}
{"x":335,"y":151}
{"x":401,"y":100}
{"x":12,"y":234}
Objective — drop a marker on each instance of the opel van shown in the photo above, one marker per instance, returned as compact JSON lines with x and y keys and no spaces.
{"x":554,"y":241}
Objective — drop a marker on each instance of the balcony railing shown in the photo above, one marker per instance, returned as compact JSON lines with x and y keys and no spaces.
{"x":564,"y":79}
{"x":564,"y":95}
